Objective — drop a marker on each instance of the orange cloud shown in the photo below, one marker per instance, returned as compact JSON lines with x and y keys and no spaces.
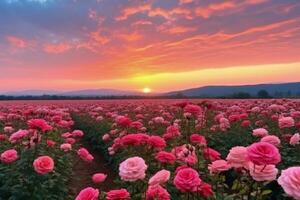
{"x":185,"y":1}
{"x":142,"y":22}
{"x":133,"y":10}
{"x":179,"y":29}
{"x":98,"y":37}
{"x":17,"y":42}
{"x":57,"y":48}
{"x":214,"y":8}
{"x":131,"y":36}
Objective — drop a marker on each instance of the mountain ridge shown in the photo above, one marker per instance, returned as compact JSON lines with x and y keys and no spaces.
{"x":292,"y":88}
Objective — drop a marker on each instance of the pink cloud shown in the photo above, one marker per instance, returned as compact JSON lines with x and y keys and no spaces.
{"x":131,"y":36}
{"x":17,"y":42}
{"x":57,"y":48}
{"x":185,"y":1}
{"x":98,"y":37}
{"x":214,"y":8}
{"x":125,"y":13}
{"x":179,"y":29}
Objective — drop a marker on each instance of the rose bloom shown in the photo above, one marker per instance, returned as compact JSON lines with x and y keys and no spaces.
{"x":218,"y":166}
{"x":50,"y":143}
{"x":9,"y":156}
{"x":123,"y":121}
{"x":260,"y":132}
{"x":99,"y":177}
{"x":39,"y":124}
{"x":165,"y":157}
{"x":263,"y":172}
{"x":66,"y":147}
{"x":3,"y":137}
{"x":171,"y":132}
{"x":156,"y":142}
{"x":295,"y":139}
{"x":20,"y":134}
{"x":246,"y":123}
{"x":290,"y":182}
{"x":88,"y":194}
{"x":205,"y":190}
{"x":8,"y":129}
{"x":238,"y":157}
{"x":272,"y":139}
{"x":286,"y":122}
{"x":160,"y":177}
{"x":70,"y":140}
{"x":211,"y":154}
{"x":43,"y":164}
{"x":263,"y":153}
{"x":133,"y":169}
{"x":77,"y":133}
{"x":187,"y":180}
{"x":121,"y":194}
{"x":198,"y":139}
{"x":85,"y":155}
{"x":105,"y":137}
{"x":157,"y":192}
{"x":193,"y":109}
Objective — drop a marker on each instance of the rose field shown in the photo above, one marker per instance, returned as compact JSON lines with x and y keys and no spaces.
{"x":150,"y":149}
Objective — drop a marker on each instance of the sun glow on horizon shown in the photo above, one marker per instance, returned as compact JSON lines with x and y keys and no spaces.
{"x":147,"y":90}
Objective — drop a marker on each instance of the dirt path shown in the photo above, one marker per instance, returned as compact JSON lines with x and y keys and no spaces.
{"x":83,"y":172}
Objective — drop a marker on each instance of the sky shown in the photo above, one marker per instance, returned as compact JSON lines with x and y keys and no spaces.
{"x":164,"y":45}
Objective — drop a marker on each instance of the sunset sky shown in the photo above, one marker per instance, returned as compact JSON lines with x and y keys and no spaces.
{"x":160,"y":44}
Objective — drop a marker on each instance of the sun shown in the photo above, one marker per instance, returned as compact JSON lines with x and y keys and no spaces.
{"x":146,"y":90}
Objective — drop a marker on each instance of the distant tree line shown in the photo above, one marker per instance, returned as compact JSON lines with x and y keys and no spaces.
{"x":262,"y":94}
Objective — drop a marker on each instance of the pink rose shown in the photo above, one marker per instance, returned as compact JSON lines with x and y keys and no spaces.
{"x":211,"y":154}
{"x":260,"y":132}
{"x":238,"y":157}
{"x":105,"y":137}
{"x":20,"y":134}
{"x":290,"y":181}
{"x":295,"y":139}
{"x":193,"y":109}
{"x":198,"y":139}
{"x":99,"y":177}
{"x":77,"y":133}
{"x":39,"y":124}
{"x":272,"y":139}
{"x":262,"y":153}
{"x":205,"y":190}
{"x":218,"y":166}
{"x":263,"y":172}
{"x":133,"y":169}
{"x":160,"y":177}
{"x":187,"y":180}
{"x":9,"y":156}
{"x":121,"y":194}
{"x":286,"y":122}
{"x":157,"y":192}
{"x":66,"y":147}
{"x":43,"y":164}
{"x":88,"y":194}
{"x":165,"y":157}
{"x":50,"y":143}
{"x":85,"y":155}
{"x":8,"y":129}
{"x":156,"y":142}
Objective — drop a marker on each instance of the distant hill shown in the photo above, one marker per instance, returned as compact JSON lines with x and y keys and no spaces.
{"x":80,"y":93}
{"x":30,"y":93}
{"x":100,"y":92}
{"x":281,"y":89}
{"x":274,"y":90}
